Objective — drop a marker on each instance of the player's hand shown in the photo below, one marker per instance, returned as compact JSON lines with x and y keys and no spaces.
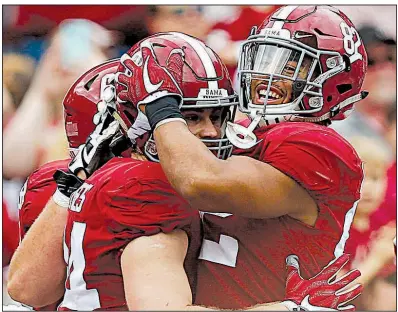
{"x":92,"y":155}
{"x":141,"y":79}
{"x":67,"y":184}
{"x":323,"y":292}
{"x":97,"y":149}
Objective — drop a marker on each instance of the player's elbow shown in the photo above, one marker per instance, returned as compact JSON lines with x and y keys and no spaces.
{"x":20,"y":289}
{"x":195,"y":188}
{"x":21,"y":292}
{"x":204,"y":193}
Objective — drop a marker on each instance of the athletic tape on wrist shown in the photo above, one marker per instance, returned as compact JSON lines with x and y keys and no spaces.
{"x":61,"y":199}
{"x":290,"y":305}
{"x":164,"y":108}
{"x":165,"y":121}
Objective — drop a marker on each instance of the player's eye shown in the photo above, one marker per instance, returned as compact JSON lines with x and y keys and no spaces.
{"x":192,"y":118}
{"x":215,"y":118}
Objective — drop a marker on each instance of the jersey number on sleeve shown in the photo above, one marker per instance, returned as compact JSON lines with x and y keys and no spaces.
{"x":77,"y":296}
{"x":224,"y":252}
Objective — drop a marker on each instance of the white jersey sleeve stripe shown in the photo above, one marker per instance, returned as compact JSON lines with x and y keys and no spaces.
{"x":349,"y":217}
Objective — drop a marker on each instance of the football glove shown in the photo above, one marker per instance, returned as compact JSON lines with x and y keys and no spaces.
{"x":96,"y":151}
{"x":143,"y":81}
{"x":323,"y":292}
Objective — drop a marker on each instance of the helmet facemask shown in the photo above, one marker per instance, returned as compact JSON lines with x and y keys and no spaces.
{"x":266,"y":66}
{"x":220,"y":147}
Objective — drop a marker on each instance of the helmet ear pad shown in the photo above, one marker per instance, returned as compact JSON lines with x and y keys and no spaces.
{"x":298,"y":87}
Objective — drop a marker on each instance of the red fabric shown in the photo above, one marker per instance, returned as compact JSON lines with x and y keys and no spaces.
{"x":38,"y":189}
{"x":317,"y":158}
{"x":10,"y":236}
{"x":123,"y":200}
{"x":100,"y":14}
{"x":329,"y":169}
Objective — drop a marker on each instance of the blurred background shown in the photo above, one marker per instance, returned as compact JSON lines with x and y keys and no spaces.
{"x":45,"y":48}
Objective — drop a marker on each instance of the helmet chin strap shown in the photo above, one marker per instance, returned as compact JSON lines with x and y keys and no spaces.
{"x":334,"y":111}
{"x":241,"y":136}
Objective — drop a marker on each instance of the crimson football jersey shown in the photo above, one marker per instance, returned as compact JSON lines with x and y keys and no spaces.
{"x":36,"y":192}
{"x":123,"y":200}
{"x":33,"y":197}
{"x":243,"y":260}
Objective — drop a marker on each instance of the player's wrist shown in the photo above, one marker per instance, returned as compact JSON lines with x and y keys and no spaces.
{"x":292,"y":306}
{"x":168,"y":120}
{"x":164,"y":108}
{"x":61,"y":199}
{"x":67,"y":184}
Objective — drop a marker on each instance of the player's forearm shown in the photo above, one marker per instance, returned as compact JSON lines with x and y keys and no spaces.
{"x":237,"y":185}
{"x":37,"y":269}
{"x":187,"y":162}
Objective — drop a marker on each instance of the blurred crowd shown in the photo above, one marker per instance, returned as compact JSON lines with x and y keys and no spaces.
{"x":45,"y":48}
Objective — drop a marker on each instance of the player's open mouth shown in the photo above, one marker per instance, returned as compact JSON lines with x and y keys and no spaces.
{"x":275,"y":95}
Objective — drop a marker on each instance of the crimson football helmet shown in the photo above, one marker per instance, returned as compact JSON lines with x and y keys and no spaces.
{"x":85,"y":100}
{"x":205,"y":83}
{"x":318,"y":50}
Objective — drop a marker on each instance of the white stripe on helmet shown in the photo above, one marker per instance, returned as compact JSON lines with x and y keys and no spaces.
{"x":200,"y":49}
{"x":283,"y":13}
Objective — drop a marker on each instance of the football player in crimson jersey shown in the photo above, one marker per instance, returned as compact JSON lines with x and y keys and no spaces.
{"x":96,"y":237}
{"x":128,"y":227}
{"x":294,"y":184}
{"x":142,"y":185}
{"x":81,"y":116}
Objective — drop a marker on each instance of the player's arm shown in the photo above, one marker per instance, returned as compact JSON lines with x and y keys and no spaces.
{"x":154,"y":276}
{"x":37,"y":270}
{"x":239,"y":185}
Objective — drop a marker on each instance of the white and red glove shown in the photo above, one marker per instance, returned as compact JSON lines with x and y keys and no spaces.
{"x":141,"y":80}
{"x":91,"y":156}
{"x":323,"y":292}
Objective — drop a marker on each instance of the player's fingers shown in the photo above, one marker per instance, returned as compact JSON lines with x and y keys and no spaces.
{"x":331,"y":270}
{"x":347,"y":278}
{"x":292,"y":268}
{"x":343,"y":307}
{"x":122,"y":97}
{"x":127,"y":63}
{"x":147,"y":51}
{"x":347,"y":295}
{"x":348,"y":308}
{"x":121,"y":78}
